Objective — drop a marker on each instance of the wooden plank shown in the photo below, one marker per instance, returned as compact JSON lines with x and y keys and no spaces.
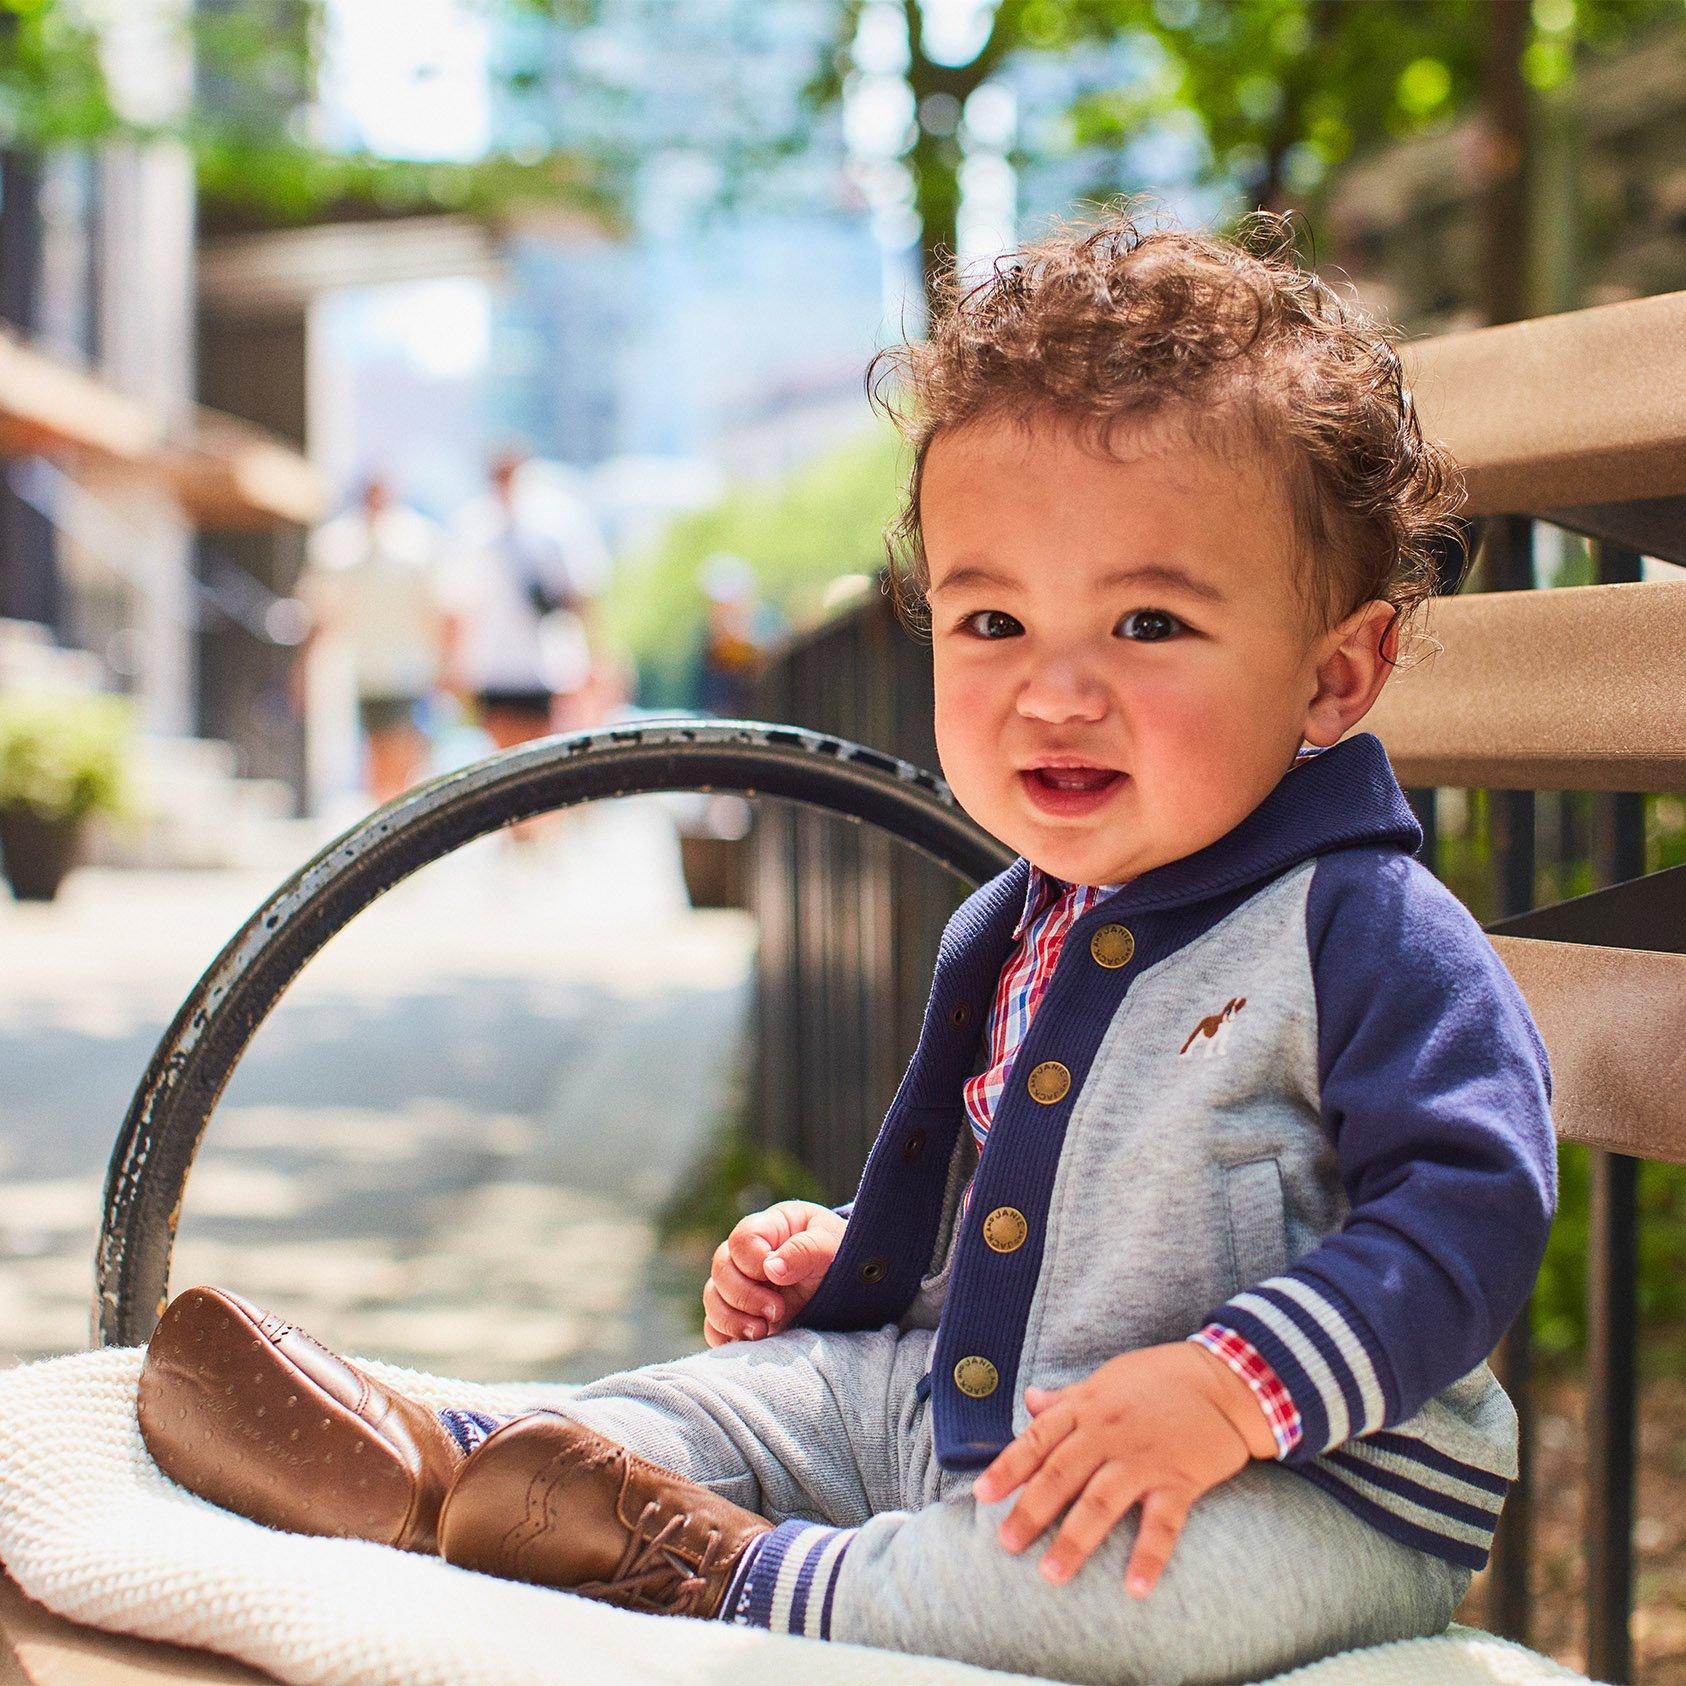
{"x":1614,"y":1024}
{"x":1574,"y":689}
{"x":1585,"y":407}
{"x":38,"y":1648}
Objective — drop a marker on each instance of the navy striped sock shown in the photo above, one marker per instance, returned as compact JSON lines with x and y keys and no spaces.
{"x":469,"y":1428}
{"x":734,"y":1607}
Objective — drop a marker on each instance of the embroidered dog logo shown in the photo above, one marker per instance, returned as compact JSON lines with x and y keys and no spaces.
{"x":1211,"y":1032}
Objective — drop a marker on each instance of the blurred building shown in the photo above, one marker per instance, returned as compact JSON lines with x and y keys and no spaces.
{"x":733,"y":322}
{"x":113,"y":478}
{"x":159,"y":409}
{"x":95,"y":270}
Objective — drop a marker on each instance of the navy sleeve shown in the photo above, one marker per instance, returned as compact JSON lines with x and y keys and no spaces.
{"x":1435,"y":1090}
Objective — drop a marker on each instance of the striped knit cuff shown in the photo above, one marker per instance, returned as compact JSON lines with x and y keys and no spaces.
{"x":1321,"y":1352}
{"x":1274,"y":1399}
{"x":791,"y":1580}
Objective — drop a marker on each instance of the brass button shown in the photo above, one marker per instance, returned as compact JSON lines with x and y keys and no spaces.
{"x":976,"y":1377}
{"x":874,"y":1270}
{"x":1112,"y":946}
{"x":1005,"y":1229}
{"x":1049,"y":1082}
{"x":913,"y":1146}
{"x":960,"y":1014}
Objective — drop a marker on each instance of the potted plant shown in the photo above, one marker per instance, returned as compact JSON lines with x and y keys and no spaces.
{"x":63,"y":758}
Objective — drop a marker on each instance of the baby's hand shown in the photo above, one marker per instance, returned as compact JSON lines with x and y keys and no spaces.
{"x":1156,"y":1427}
{"x":767,"y":1269}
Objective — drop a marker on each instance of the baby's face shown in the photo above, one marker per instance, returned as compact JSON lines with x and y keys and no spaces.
{"x":1123,"y":667}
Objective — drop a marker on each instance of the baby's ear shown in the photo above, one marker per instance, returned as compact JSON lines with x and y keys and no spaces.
{"x":1390,"y":639}
{"x":1351,"y":673}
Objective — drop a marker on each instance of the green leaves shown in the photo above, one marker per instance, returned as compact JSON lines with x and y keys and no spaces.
{"x":824,"y":520}
{"x":251,"y":122}
{"x":66,"y":756}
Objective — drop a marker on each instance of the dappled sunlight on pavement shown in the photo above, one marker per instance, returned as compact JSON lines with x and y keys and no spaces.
{"x":445,"y":1146}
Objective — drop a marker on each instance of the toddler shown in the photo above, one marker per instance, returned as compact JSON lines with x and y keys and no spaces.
{"x":1152,"y":1346}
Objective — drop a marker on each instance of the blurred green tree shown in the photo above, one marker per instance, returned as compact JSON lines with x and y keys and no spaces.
{"x":250,"y":120}
{"x":1280,"y":92}
{"x":798,"y":535}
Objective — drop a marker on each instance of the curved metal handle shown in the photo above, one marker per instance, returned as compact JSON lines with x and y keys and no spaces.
{"x":172,"y":1107}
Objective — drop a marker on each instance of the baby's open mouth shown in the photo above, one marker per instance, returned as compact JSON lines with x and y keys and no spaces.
{"x":1074,"y":778}
{"x":1070,"y":790}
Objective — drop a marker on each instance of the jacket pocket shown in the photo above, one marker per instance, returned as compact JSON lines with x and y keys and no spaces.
{"x":1256,"y":1221}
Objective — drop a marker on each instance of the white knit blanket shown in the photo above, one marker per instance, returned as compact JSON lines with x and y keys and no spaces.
{"x":91,"y":1529}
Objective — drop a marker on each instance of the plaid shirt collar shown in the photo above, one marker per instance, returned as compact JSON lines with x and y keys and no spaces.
{"x":1044,"y":888}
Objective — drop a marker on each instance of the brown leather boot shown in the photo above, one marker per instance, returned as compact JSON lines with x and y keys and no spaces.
{"x":547,"y":1499}
{"x":251,"y":1413}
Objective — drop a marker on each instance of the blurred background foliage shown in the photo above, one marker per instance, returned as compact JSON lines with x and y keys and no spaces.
{"x":798,"y":536}
{"x":1560,"y":1300}
{"x":249,"y":118}
{"x":63,"y":759}
{"x":1280,"y":92}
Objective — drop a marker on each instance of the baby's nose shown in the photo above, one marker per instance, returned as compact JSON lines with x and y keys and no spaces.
{"x":1062,"y":691}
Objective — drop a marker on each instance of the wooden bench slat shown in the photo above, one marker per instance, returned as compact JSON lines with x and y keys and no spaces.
{"x":1614,"y":1023}
{"x":1582,"y":688}
{"x":1586,"y":407}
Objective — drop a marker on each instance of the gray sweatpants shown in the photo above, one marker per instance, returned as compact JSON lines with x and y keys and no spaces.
{"x":828,"y":1429}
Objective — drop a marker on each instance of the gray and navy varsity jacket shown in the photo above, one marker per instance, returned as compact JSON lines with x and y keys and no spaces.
{"x":1284,"y":1084}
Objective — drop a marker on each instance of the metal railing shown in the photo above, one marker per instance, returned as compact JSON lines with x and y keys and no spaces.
{"x":849,"y":920}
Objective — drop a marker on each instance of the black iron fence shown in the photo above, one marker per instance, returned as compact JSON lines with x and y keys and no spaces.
{"x":849,"y":920}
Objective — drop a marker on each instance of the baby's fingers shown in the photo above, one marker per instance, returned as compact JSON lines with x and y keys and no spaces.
{"x":1062,"y":1477}
{"x":1109,"y":1493}
{"x":804,"y":1255}
{"x":1021,"y":1458}
{"x":1164,"y":1511}
{"x":753,"y":1299}
{"x":752,"y":1239}
{"x":732,"y":1324}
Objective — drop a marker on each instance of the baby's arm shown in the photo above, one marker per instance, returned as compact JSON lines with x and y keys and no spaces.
{"x":767,"y":1269}
{"x":1435,"y":1091}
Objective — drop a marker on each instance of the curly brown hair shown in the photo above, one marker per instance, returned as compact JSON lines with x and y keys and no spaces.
{"x":1107,"y":325}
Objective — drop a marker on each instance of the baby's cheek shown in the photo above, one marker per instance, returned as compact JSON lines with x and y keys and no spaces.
{"x":968,"y":747}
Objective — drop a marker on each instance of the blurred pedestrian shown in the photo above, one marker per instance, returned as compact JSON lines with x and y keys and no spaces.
{"x":731,"y":650}
{"x":524,"y":577}
{"x":373,"y":590}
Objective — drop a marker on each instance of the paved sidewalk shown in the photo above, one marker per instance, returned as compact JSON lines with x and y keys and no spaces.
{"x":445,"y":1146}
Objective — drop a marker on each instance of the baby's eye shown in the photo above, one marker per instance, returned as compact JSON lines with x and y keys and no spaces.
{"x":991,"y":624}
{"x":1158,"y":622}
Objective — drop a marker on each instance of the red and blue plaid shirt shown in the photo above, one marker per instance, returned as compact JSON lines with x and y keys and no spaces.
{"x":1051,"y":908}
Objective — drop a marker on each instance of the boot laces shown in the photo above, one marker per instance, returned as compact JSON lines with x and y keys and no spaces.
{"x":652,"y":1575}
